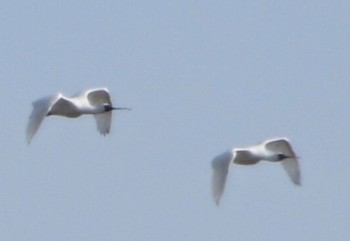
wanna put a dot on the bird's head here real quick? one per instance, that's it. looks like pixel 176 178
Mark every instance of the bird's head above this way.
pixel 108 107
pixel 282 156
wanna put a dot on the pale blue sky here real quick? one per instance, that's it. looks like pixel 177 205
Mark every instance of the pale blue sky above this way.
pixel 201 77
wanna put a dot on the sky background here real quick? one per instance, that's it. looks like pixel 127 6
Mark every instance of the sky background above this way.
pixel 201 77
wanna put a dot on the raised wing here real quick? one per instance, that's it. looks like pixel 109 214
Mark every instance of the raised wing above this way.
pixel 98 96
pixel 280 146
pixel 103 122
pixel 244 157
pixel 291 165
pixel 41 108
pixel 220 166
pixel 64 107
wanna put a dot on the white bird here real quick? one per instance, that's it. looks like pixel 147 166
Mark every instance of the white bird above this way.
pixel 94 101
pixel 274 150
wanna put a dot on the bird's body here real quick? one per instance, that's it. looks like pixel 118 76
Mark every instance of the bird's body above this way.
pixel 275 150
pixel 96 102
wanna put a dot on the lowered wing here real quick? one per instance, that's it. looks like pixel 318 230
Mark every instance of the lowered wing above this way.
pixel 220 166
pixel 41 108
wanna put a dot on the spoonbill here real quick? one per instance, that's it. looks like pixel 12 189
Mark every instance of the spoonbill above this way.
pixel 96 102
pixel 273 150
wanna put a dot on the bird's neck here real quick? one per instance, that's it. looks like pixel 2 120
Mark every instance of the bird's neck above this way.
pixel 264 155
pixel 272 157
pixel 99 109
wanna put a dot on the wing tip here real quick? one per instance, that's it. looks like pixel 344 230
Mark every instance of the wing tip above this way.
pixel 104 132
pixel 216 197
pixel 29 137
pixel 217 201
pixel 277 139
pixel 297 182
pixel 98 89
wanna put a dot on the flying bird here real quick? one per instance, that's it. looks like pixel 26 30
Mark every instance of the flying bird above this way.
pixel 274 150
pixel 96 102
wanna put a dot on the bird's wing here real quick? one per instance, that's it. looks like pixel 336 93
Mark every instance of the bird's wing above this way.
pixel 103 122
pixel 95 97
pixel 65 107
pixel 98 96
pixel 244 157
pixel 220 165
pixel 291 165
pixel 40 109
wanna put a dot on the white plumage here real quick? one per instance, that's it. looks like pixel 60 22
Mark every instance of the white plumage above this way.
pixel 93 101
pixel 274 150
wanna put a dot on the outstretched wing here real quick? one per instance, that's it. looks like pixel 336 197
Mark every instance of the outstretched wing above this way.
pixel 40 109
pixel 220 165
pixel 291 165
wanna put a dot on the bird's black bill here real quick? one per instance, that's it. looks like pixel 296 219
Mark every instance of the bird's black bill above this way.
pixel 120 108
pixel 283 156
